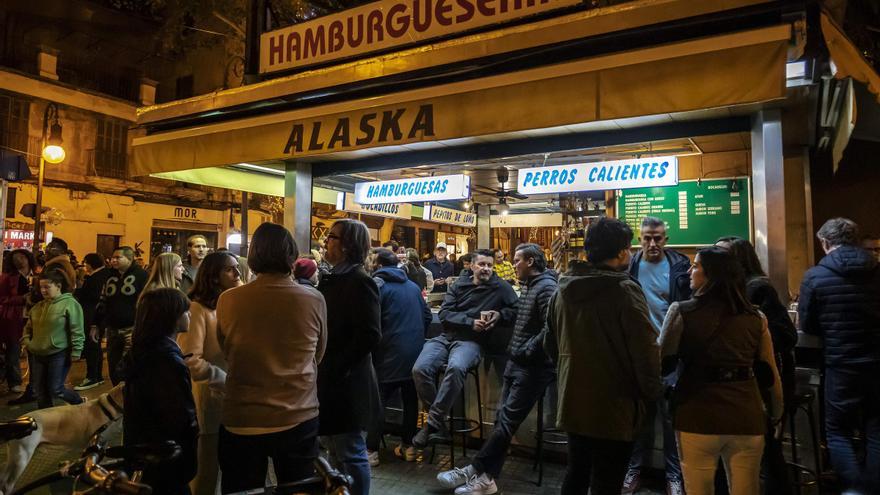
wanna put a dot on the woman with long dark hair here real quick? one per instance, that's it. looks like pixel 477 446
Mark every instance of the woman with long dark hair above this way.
pixel 204 357
pixel 725 351
pixel 158 391
pixel 14 288
pixel 761 293
pixel 347 387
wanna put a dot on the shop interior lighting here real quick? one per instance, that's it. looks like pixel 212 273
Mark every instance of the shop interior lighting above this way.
pixel 503 207
pixel 260 168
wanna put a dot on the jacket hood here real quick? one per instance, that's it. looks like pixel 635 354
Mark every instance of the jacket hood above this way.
pixel 849 260
pixel 62 298
pixel 584 281
pixel 391 274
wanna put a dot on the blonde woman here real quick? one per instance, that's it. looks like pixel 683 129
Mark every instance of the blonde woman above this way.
pixel 166 272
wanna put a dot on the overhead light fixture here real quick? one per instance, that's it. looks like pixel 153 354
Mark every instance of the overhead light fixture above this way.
pixel 53 152
pixel 260 168
pixel 503 207
pixel 467 205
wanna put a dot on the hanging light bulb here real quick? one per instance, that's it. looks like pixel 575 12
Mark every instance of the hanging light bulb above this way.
pixel 53 152
pixel 503 207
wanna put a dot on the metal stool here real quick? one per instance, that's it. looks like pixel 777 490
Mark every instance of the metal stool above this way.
pixel 465 425
pixel 803 401
pixel 556 437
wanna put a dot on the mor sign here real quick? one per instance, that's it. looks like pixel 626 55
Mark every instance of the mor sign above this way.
pixel 440 188
pixel 600 176
pixel 387 24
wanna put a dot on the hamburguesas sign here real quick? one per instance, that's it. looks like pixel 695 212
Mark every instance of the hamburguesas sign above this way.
pixel 387 24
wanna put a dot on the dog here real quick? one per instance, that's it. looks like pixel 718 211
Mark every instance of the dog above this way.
pixel 70 426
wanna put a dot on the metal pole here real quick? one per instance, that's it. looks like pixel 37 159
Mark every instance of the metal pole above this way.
pixel 39 206
pixel 256 19
pixel 243 249
pixel 4 191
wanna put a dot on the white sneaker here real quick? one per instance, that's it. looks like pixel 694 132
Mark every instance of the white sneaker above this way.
pixel 478 485
pixel 373 457
pixel 456 477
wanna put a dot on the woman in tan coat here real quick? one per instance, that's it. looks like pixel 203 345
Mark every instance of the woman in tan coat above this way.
pixel 218 272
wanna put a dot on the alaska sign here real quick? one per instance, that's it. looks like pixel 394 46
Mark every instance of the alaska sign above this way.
pixel 387 24
pixel 372 128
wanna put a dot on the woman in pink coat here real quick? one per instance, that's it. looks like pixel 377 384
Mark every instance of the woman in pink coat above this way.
pixel 14 288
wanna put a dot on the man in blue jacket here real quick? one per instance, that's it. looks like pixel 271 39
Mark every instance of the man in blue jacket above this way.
pixel 840 300
pixel 405 321
pixel 663 275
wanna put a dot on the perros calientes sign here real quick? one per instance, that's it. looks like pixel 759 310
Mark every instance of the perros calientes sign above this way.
pixel 346 202
pixel 601 176
pixel 440 188
pixel 361 129
pixel 449 216
pixel 387 24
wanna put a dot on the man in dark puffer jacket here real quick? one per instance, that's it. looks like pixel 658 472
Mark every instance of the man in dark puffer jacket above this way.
pixel 527 375
pixel 840 300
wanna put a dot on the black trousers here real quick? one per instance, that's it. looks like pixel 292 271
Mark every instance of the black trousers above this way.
pixel 116 342
pixel 244 459
pixel 521 389
pixel 597 464
pixel 94 356
pixel 410 405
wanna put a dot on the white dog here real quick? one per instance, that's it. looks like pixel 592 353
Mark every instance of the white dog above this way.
pixel 70 426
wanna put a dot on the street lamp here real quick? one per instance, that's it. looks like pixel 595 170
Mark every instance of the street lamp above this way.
pixel 53 153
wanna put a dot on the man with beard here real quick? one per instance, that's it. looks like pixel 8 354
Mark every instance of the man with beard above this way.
pixel 197 249
pixel 472 307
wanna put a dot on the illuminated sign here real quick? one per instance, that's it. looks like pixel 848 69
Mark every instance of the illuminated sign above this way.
pixel 449 216
pixel 387 24
pixel 440 188
pixel 345 202
pixel 601 176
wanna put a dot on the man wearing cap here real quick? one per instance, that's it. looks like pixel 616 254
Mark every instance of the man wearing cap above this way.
pixel 440 267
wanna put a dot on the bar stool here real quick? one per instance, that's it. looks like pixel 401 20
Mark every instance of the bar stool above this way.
pixel 462 424
pixel 555 437
pixel 802 401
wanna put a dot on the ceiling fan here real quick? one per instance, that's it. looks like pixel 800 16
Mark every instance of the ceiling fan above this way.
pixel 503 194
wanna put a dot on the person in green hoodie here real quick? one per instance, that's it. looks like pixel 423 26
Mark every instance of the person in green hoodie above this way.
pixel 54 336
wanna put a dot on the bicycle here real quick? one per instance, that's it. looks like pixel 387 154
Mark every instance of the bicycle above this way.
pixel 327 481
pixel 109 478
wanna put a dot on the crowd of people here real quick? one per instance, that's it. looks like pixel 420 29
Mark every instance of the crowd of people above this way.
pixel 273 357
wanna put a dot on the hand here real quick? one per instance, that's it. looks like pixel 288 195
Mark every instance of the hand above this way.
pixel 480 325
pixel 439 281
pixel 494 318
pixel 93 334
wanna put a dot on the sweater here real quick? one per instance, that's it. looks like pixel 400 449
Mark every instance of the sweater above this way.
pixel 273 333
pixel 119 298
pixel 840 300
pixel 207 365
pixel 45 332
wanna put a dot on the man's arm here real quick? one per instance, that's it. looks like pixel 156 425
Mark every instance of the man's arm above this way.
pixel 449 309
pixel 551 347
pixel 807 314
pixel 641 341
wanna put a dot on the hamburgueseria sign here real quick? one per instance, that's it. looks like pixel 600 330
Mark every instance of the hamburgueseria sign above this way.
pixel 387 24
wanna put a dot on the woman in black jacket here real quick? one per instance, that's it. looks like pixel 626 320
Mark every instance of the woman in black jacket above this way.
pixel 761 293
pixel 158 392
pixel 347 387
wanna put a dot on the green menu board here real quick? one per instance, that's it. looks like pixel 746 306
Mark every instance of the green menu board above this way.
pixel 695 214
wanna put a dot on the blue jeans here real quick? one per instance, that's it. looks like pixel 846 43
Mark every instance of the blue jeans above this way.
pixel 522 388
pixel 49 373
pixel 458 356
pixel 351 451
pixel 644 443
pixel 852 401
